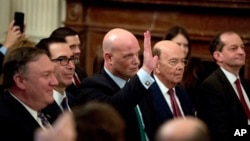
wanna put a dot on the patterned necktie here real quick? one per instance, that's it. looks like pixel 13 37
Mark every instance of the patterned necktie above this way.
pixel 44 120
pixel 242 99
pixel 175 107
pixel 76 80
pixel 64 104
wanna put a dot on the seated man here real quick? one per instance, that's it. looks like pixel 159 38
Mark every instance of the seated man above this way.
pixel 73 40
pixel 28 78
pixel 122 84
pixel 170 99
pixel 64 62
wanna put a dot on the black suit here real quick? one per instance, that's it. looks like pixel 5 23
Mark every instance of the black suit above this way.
pixel 220 108
pixel 81 75
pixel 1 70
pixel 17 124
pixel 102 88
pixel 161 106
pixel 52 111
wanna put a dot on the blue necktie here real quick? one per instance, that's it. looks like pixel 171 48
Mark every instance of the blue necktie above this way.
pixel 44 120
pixel 64 104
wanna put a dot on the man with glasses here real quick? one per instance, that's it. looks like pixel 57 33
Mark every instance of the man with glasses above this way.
pixel 73 40
pixel 170 100
pixel 64 61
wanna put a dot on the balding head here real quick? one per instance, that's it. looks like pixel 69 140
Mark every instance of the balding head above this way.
pixel 120 53
pixel 170 67
pixel 183 129
pixel 165 46
pixel 117 37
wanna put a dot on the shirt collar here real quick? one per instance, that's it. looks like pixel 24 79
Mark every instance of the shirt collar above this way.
pixel 30 110
pixel 120 82
pixel 58 97
pixel 231 77
pixel 162 87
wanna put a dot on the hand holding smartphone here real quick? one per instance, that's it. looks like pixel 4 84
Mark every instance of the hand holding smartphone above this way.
pixel 19 20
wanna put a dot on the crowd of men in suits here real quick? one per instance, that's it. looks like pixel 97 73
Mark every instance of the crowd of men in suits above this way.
pixel 41 83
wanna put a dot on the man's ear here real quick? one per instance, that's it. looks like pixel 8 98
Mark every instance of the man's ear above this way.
pixel 107 57
pixel 19 80
pixel 217 56
pixel 157 68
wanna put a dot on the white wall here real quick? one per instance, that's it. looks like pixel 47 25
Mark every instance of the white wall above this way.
pixel 41 16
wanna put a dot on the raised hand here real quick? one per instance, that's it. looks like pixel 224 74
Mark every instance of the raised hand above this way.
pixel 149 61
pixel 13 35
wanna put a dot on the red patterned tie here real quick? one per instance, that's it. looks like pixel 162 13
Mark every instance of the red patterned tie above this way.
pixel 242 99
pixel 176 110
pixel 76 80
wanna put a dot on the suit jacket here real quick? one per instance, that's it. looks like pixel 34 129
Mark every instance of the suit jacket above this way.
pixel 16 122
pixel 219 107
pixel 1 61
pixel 102 88
pixel 1 70
pixel 81 75
pixel 53 110
pixel 162 108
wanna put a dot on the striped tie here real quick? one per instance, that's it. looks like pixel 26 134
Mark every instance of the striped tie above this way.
pixel 44 120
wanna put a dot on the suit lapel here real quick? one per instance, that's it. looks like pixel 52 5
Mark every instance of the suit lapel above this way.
pixel 52 111
pixel 115 87
pixel 184 100
pixel 159 99
pixel 21 113
pixel 246 87
pixel 226 84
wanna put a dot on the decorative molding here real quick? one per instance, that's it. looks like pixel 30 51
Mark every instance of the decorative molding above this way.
pixel 202 18
pixel 235 4
pixel 74 12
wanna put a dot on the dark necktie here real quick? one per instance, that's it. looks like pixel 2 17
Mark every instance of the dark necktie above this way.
pixel 64 104
pixel 44 120
pixel 76 80
pixel 142 131
pixel 242 99
pixel 176 109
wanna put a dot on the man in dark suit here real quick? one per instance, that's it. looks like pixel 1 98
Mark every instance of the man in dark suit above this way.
pixel 64 61
pixel 29 80
pixel 168 73
pixel 73 40
pixel 121 84
pixel 219 102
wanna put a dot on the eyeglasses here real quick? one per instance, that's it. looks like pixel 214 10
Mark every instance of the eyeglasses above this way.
pixel 175 62
pixel 64 60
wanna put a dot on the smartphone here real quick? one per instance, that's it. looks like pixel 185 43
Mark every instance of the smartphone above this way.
pixel 19 20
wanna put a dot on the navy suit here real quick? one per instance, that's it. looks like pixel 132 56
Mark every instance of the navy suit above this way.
pixel 102 88
pixel 52 111
pixel 81 75
pixel 162 108
pixel 219 107
pixel 1 70
pixel 16 123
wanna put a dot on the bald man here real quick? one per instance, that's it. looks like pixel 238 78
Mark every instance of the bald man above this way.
pixel 169 99
pixel 183 129
pixel 122 84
